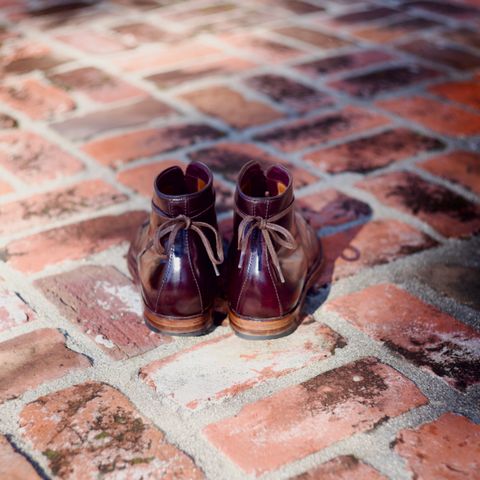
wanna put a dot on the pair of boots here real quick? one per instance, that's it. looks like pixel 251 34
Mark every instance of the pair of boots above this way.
pixel 177 257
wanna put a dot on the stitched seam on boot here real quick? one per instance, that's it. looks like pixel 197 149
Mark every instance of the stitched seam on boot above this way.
pixel 270 272
pixel 248 271
pixel 187 247
pixel 167 272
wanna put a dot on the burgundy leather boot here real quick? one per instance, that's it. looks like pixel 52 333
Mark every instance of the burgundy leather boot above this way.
pixel 274 258
pixel 176 254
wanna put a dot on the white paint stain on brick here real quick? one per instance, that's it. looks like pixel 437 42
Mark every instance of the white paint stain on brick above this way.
pixel 124 298
pixel 13 311
pixel 221 368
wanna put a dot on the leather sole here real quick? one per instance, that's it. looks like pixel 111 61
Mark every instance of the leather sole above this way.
pixel 271 328
pixel 182 326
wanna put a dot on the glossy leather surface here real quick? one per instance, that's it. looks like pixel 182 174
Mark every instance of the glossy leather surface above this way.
pixel 255 289
pixel 180 282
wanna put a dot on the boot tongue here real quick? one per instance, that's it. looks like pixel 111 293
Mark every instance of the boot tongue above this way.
pixel 179 193
pixel 264 193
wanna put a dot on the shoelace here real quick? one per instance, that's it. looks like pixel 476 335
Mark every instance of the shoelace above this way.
pixel 182 222
pixel 269 230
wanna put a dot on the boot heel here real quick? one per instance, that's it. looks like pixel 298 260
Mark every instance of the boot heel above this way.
pixel 263 329
pixel 183 326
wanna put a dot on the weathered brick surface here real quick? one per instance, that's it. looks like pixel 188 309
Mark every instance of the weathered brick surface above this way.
pixel 330 126
pixel 449 213
pixel 116 150
pixel 226 366
pixel 337 403
pixel 367 85
pixel 13 465
pixel 345 62
pixel 92 430
pixel 33 159
pixel 439 117
pixel 34 358
pixel 13 310
pixel 106 306
pixel 224 67
pixel 87 196
pixel 72 242
pixel 97 85
pixel 321 40
pixel 345 467
pixel 377 242
pixel 459 167
pixel 370 153
pixel 457 448
pixel 424 335
pixel 28 57
pixel 231 107
pixel 36 99
pixel 467 92
pixel 96 123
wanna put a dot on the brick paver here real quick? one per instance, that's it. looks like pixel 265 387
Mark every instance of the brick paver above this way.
pixel 456 449
pixel 374 106
pixel 34 358
pixel 92 429
pixel 337 403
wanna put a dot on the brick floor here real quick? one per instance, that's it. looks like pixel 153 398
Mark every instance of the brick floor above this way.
pixel 375 108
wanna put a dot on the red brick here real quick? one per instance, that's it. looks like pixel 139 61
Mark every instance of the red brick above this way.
pixel 456 452
pixel 395 30
pixel 449 55
pixel 307 133
pixel 363 16
pixel 427 337
pixel 33 159
pixel 296 6
pixel 97 85
pixel 370 153
pixel 452 9
pixel 458 167
pixel 71 242
pixel 160 59
pixel 14 310
pixel 344 62
pixel 383 80
pixel 283 428
pixel 263 48
pixel 446 211
pixel 30 57
pixel 92 430
pixel 89 41
pixel 5 188
pixel 96 123
pixel 290 93
pixel 463 36
pixel 36 99
pixel 321 40
pixel 120 149
pixel 227 159
pixel 223 367
pixel 345 467
pixel 330 208
pixel 13 465
pixel 141 178
pixel 375 243
pixel 34 358
pixel 138 33
pixel 231 106
pixel 224 67
pixel 106 306
pixel 87 196
pixel 200 12
pixel 6 121
pixel 446 119
pixel 467 92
